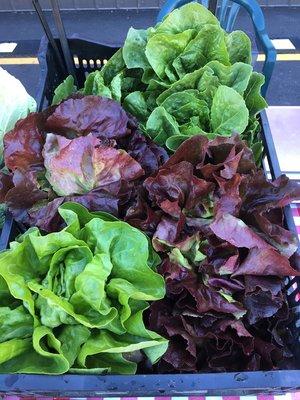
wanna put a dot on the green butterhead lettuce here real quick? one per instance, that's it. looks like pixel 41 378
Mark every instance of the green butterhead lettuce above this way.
pixel 228 112
pixel 186 61
pixel 73 300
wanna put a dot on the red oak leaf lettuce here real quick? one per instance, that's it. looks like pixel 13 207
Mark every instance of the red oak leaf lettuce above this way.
pixel 224 251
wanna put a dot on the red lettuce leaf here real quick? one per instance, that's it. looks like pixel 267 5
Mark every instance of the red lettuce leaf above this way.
pixel 192 150
pixel 97 158
pixel 6 183
pixel 262 304
pixel 235 231
pixel 142 216
pixel 80 165
pixel 100 116
pixel 26 192
pixel 220 310
pixel 265 261
pixel 229 200
pixel 285 241
pixel 148 154
pixel 47 218
pixel 23 145
pixel 262 195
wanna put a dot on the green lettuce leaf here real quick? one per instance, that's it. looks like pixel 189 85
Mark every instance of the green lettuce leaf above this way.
pixel 239 47
pixel 134 49
pixel 161 125
pixel 94 85
pixel 64 90
pixel 189 16
pixel 236 76
pixel 113 66
pixel 80 296
pixel 136 104
pixel 254 100
pixel 208 45
pixel 163 48
pixel 229 113
pixel 169 77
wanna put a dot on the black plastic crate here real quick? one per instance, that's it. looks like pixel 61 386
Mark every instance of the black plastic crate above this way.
pixel 89 56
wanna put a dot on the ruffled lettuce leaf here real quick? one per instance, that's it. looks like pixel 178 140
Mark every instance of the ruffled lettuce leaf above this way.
pixel 80 296
pixel 217 223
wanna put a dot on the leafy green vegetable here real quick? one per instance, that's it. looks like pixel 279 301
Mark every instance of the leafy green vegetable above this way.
pixel 161 125
pixel 208 45
pixel 163 48
pixel 254 101
pixel 169 77
pixel 239 47
pixel 190 16
pixel 94 84
pixel 76 298
pixel 134 49
pixel 64 90
pixel 228 112
pixel 114 65
pixel 80 165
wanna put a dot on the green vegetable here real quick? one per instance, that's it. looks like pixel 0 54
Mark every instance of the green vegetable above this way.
pixel 228 112
pixel 170 77
pixel 190 16
pixel 239 47
pixel 64 90
pixel 134 49
pixel 254 101
pixel 74 300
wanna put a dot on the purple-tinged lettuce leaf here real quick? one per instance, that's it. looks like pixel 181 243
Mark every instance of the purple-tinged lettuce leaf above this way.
pixel 141 215
pixel 144 151
pixel 27 190
pixel 265 261
pixel 23 145
pixel 229 200
pixel 262 304
pixel 82 164
pixel 167 232
pixel 285 241
pixel 235 231
pixel 176 189
pixel 263 195
pixel 100 116
pixel 192 150
pixel 6 183
pixel 47 217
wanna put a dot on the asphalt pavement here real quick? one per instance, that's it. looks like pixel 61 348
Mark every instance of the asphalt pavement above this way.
pixel 110 27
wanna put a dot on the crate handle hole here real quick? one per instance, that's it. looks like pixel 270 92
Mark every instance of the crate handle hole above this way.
pixel 104 61
pixel 98 63
pixel 92 63
pixel 84 63
pixel 76 61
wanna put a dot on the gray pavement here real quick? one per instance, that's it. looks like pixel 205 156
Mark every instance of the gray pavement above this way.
pixel 111 26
